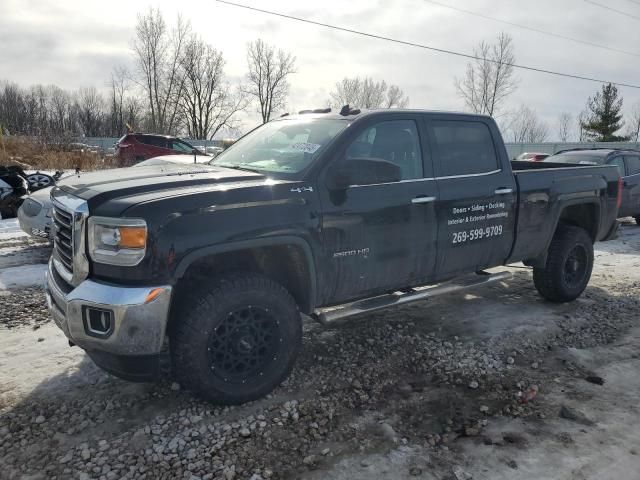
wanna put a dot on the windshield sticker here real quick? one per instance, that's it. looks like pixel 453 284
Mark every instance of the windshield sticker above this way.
pixel 306 147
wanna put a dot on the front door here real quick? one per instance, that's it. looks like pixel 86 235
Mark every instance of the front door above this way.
pixel 380 237
pixel 476 205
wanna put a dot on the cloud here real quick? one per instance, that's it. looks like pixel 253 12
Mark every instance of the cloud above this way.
pixel 75 43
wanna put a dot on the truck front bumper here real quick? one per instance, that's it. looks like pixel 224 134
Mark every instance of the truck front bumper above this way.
pixel 121 328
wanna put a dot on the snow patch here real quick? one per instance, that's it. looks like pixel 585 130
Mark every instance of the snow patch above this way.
pixel 23 276
pixel 9 228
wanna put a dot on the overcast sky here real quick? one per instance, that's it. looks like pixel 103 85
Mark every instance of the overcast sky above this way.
pixel 77 43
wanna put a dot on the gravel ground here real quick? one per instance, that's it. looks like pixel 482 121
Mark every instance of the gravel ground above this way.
pixel 482 385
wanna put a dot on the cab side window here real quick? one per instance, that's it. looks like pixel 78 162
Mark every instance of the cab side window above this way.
pixel 181 147
pixel 618 162
pixel 153 141
pixel 633 164
pixel 395 141
pixel 464 148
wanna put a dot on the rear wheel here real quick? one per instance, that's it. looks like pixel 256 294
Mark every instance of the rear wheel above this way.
pixel 569 265
pixel 236 339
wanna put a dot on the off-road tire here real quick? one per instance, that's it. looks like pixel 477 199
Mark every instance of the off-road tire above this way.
pixel 570 247
pixel 206 315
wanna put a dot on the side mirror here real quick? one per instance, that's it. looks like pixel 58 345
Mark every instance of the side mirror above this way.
pixel 362 171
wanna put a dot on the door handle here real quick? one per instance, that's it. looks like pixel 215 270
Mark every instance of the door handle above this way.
pixel 503 191
pixel 423 199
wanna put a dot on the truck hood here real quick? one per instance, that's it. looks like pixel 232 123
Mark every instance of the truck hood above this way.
pixel 103 185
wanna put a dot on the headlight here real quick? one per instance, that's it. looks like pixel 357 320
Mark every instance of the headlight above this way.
pixel 31 207
pixel 117 241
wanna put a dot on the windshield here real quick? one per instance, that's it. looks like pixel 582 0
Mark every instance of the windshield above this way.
pixel 576 158
pixel 283 146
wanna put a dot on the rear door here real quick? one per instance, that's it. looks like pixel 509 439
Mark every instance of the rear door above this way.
pixel 625 204
pixel 380 237
pixel 631 183
pixel 477 197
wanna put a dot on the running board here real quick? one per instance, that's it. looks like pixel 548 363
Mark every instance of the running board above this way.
pixel 368 305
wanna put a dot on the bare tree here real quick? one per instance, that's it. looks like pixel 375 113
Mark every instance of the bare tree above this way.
pixel 367 93
pixel 133 111
pixel 59 111
pixel 564 126
pixel 90 107
pixel 396 98
pixel 490 79
pixel 583 117
pixel 267 77
pixel 119 86
pixel 208 103
pixel 634 123
pixel 527 127
pixel 158 53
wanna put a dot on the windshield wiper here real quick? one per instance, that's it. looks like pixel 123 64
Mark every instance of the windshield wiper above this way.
pixel 236 167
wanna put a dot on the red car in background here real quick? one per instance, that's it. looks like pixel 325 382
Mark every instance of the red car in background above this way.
pixel 532 156
pixel 135 147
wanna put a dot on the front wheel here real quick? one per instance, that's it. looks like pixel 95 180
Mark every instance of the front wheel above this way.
pixel 569 265
pixel 235 340
pixel 38 181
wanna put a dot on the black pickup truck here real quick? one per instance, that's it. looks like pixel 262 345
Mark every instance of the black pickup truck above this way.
pixel 328 215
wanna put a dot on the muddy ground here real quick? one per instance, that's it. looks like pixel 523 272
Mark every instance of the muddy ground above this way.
pixel 492 384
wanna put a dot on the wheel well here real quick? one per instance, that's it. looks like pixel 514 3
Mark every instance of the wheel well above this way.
pixel 285 264
pixel 584 215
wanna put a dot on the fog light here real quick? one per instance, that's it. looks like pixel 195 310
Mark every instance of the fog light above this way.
pixel 97 322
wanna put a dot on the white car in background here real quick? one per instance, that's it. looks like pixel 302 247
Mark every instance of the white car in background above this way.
pixel 34 215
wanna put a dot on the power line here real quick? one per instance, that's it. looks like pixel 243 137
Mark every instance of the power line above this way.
pixel 533 29
pixel 634 1
pixel 620 12
pixel 425 47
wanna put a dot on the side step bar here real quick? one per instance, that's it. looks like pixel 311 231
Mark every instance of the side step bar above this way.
pixel 368 305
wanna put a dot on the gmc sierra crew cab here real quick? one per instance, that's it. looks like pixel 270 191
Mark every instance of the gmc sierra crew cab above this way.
pixel 330 215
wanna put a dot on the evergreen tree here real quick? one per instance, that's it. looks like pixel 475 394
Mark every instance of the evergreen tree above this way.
pixel 604 116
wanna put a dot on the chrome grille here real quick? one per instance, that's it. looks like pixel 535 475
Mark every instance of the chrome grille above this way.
pixel 63 239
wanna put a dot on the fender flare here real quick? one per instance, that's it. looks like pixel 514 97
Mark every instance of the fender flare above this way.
pixel 541 260
pixel 281 240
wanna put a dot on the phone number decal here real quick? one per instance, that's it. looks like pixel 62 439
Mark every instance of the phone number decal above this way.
pixel 477 234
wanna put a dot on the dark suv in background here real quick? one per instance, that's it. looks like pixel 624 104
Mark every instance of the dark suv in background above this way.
pixel 135 147
pixel 628 163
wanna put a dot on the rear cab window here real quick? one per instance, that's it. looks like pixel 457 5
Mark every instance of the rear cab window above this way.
pixel 464 148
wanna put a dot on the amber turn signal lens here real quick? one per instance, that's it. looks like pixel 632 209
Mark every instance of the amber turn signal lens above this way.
pixel 153 294
pixel 133 237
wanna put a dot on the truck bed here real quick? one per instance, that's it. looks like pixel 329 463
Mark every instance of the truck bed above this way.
pixel 545 187
pixel 519 166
